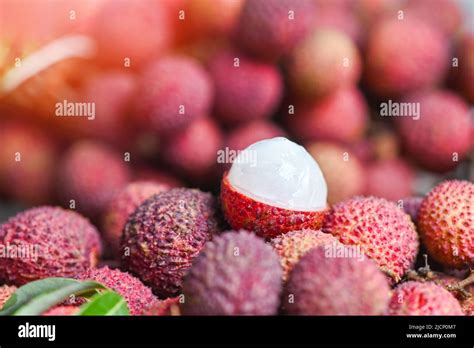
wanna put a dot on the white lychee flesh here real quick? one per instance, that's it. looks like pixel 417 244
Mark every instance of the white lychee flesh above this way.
pixel 279 173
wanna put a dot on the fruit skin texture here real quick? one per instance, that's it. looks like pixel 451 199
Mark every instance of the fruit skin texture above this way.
pixel 316 66
pixel 173 91
pixel 415 298
pixel 167 307
pixel 236 274
pixel 322 285
pixel 5 292
pixel 433 139
pixel 341 116
pixel 242 212
pixel 446 223
pixel 382 230
pixel 250 91
pixel 164 235
pixel 91 174
pixel 265 29
pixel 291 246
pixel 390 179
pixel 345 178
pixel 65 243
pixel 137 295
pixel 122 206
pixel 404 56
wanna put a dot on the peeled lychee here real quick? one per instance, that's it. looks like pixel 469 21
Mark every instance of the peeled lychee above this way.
pixel 274 186
pixel 380 229
pixel 47 242
pixel 5 292
pixel 164 235
pixel 390 179
pixel 325 284
pixel 446 223
pixel 235 274
pixel 416 298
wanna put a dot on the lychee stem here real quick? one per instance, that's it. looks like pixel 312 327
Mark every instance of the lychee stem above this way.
pixel 390 273
pixel 460 286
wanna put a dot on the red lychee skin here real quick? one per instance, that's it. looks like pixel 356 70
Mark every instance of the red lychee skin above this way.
pixel 292 246
pixel 446 223
pixel 5 292
pixel 324 285
pixel 404 56
pixel 266 30
pixel 91 174
pixel 415 298
pixel 317 65
pixel 341 116
pixel 463 75
pixel 124 204
pixel 411 206
pixel 137 295
pixel 64 242
pixel 168 307
pixel 267 221
pixel 148 31
pixel 192 152
pixel 61 310
pixel 241 137
pixel 164 235
pixel 434 139
pixel 344 173
pixel 380 229
pixel 236 273
pixel 390 179
pixel 173 91
pixel 31 179
pixel 250 91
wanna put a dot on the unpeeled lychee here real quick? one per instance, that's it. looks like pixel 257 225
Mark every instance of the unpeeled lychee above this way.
pixel 236 274
pixel 325 284
pixel 446 223
pixel 380 229
pixel 416 298
pixel 274 186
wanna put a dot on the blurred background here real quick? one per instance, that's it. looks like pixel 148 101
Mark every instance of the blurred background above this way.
pixel 96 94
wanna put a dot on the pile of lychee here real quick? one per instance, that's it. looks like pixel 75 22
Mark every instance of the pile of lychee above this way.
pixel 186 191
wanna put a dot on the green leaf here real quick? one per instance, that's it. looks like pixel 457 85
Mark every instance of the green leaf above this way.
pixel 105 303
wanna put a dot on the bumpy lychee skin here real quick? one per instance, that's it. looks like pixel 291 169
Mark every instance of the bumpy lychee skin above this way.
pixel 382 230
pixel 324 285
pixel 122 206
pixel 322 63
pixel 396 172
pixel 61 243
pixel 404 56
pixel 234 264
pixel 173 91
pixel 446 223
pixel 411 206
pixel 5 293
pixel 137 295
pixel 245 89
pixel 291 246
pixel 341 116
pixel 274 186
pixel 268 29
pixel 164 235
pixel 435 141
pixel 168 307
pixel 91 174
pixel 415 298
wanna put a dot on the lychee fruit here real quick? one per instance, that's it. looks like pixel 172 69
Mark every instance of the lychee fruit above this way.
pixel 435 141
pixel 344 173
pixel 167 307
pixel 137 295
pixel 5 293
pixel 427 298
pixel 90 175
pixel 51 241
pixel 274 186
pixel 236 274
pixel 404 56
pixel 446 223
pixel 271 28
pixel 411 206
pixel 172 92
pixel 342 19
pixel 324 62
pixel 121 206
pixel 291 246
pixel 380 229
pixel 463 74
pixel 164 235
pixel 245 89
pixel 325 284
